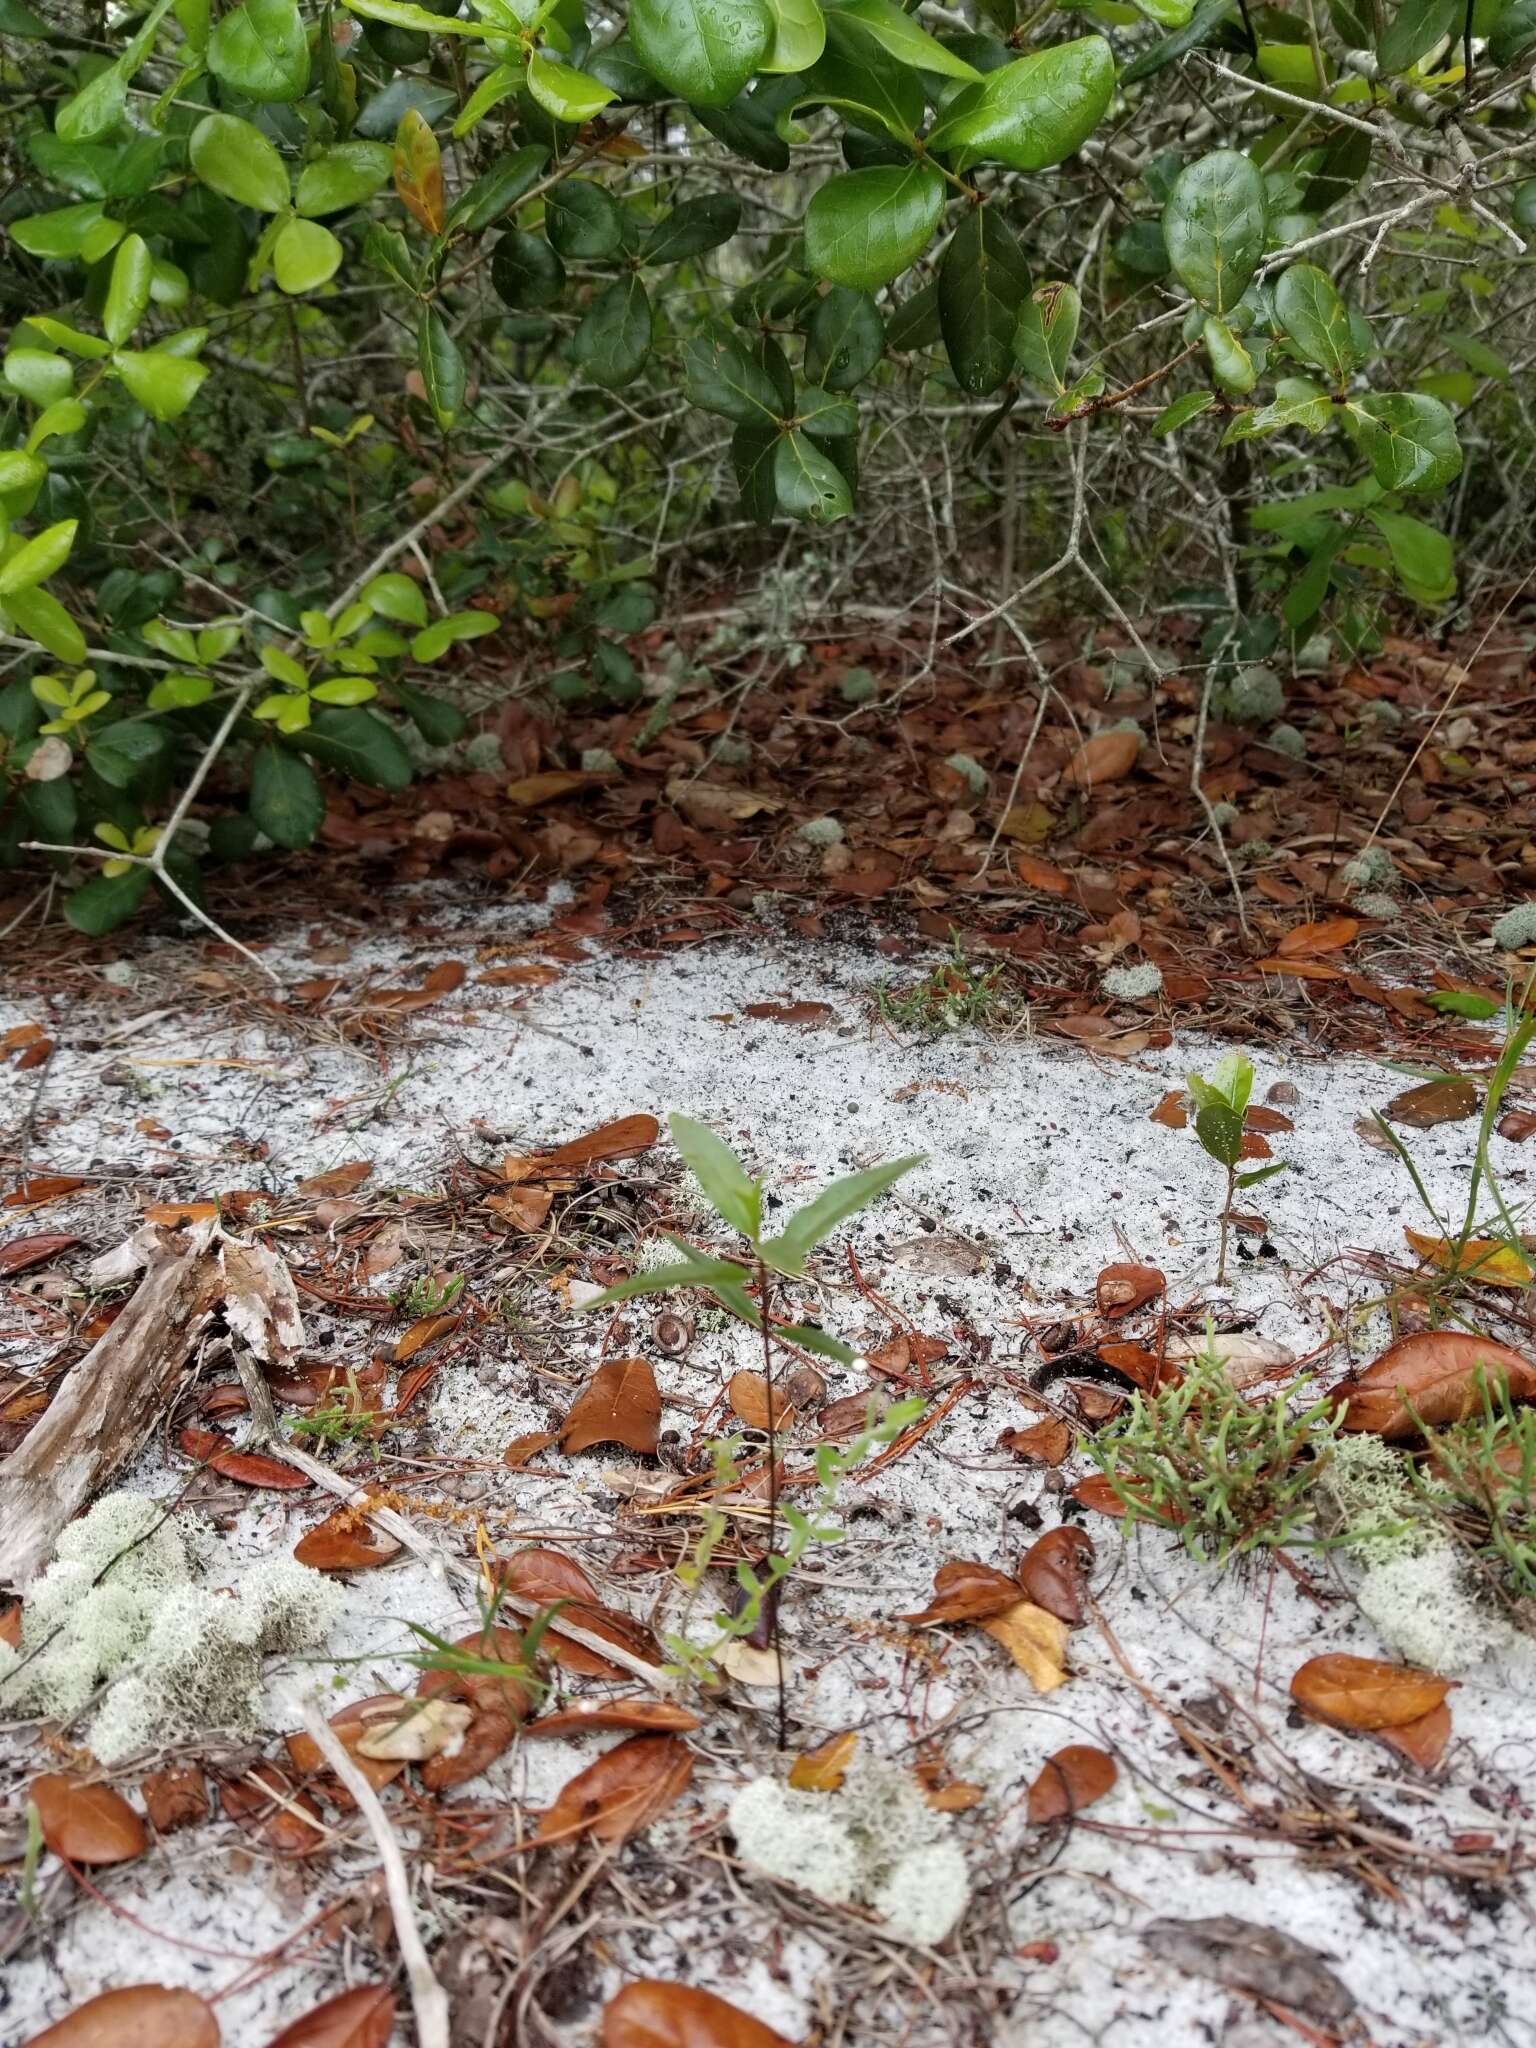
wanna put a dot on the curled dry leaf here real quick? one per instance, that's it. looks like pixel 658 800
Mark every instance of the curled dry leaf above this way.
pixel 1123 1289
pixel 1327 935
pixel 411 1731
pixel 1481 1258
pixel 1036 1641
pixel 1047 1442
pixel 1096 1492
pixel 247 1468
pixel 345 1542
pixel 266 1801
pixel 86 1823
pixel 824 1768
pixel 650 2014
pixel 489 1735
pixel 45 1187
pixel 618 1140
pixel 1172 1112
pixel 524 1208
pixel 364 2018
pixel 1423 1741
pixel 524 1449
pixel 747 1393
pixel 549 1575
pixel 152 2014
pixel 752 1664
pixel 646 1717
pixel 1436 1372
pixel 1364 1693
pixel 1450 1101
pixel 625 1790
pixel 499 1689
pixel 425 1331
pixel 1054 1572
pixel 174 1798
pixel 1106 757
pixel 341 1180
pixel 23 1253
pixel 1070 1780
pixel 964 1591
pixel 351 1724
pixel 620 1404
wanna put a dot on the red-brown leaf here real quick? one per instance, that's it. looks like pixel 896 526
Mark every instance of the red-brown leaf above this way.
pixel 45 1187
pixel 1451 1101
pixel 1070 1780
pixel 364 2018
pixel 1122 1289
pixel 651 2014
pixel 747 1393
pixel 620 1404
pixel 345 1542
pixel 965 1591
pixel 1437 1371
pixel 618 1140
pixel 1172 1112
pixel 1365 1693
pixel 647 1717
pixel 1106 757
pixel 1096 1492
pixel 175 1797
pixel 350 1724
pixel 266 1801
pixel 1054 1572
pixel 625 1790
pixel 248 1468
pixel 23 1253
pixel 424 1331
pixel 340 1180
pixel 137 2016
pixel 1423 1741
pixel 1047 1442
pixel 1327 935
pixel 86 1823
pixel 549 1575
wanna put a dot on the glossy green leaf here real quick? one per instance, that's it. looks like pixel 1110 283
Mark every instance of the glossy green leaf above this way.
pixel 1046 333
pixel 525 271
pixel 723 376
pixel 735 1196
pixel 165 385
pixel 441 366
pixel 1231 365
pixel 38 375
pixel 396 597
pixel 799 36
pixel 496 191
pixel 896 32
pixel 1220 1131
pixel 1201 28
pixel 612 342
pixel 845 339
pixel 1513 33
pixel 1409 439
pixel 1415 28
pixel 40 616
pixel 807 1227
pixel 260 50
pixel 694 228
pixel 20 471
pixel 1183 409
pixel 983 282
pixel 343 175
pixel 35 560
pixel 106 901
pixel 825 414
pixel 358 743
pixel 127 297
pixel 1033 112
pixel 583 221
pixel 864 84
pixel 59 235
pixel 702 50
pixel 434 641
pixel 286 800
pixel 237 161
pixel 1214 225
pixel 1314 317
pixel 304 256
pixel 866 227
pixel 567 94
pixel 496 86
pixel 693 1269
pixel 1421 554
pixel 808 482
pixel 405 14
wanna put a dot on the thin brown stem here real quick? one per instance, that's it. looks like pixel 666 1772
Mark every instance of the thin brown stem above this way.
pixel 763 1286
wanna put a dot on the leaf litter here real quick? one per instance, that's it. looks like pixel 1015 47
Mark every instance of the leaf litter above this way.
pixel 1057 1196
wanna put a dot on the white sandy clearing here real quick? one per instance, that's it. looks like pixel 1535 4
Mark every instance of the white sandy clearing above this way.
pixel 1045 1164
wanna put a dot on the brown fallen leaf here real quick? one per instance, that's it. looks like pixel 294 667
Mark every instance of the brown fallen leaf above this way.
pixel 525 1208
pixel 424 1332
pixel 802 1013
pixel 23 1253
pixel 1517 1125
pixel 651 2014
pixel 1262 1960
pixel 620 1139
pixel 1423 1741
pixel 1364 1693
pixel 345 1542
pixel 174 1798
pixel 248 1468
pixel 340 1180
pixel 1120 1290
pixel 267 1802
pixel 363 2018
pixel 1096 1492
pixel 747 1393
pixel 46 1187
pixel 524 1449
pixel 502 1688
pixel 1450 1101
pixel 527 974
pixel 1036 1641
pixel 620 1404
pixel 1172 1112
pixel 623 1791
pixel 177 1215
pixel 965 1591
pixel 491 1733
pixel 1035 873
pixel 824 1768
pixel 1054 1572
pixel 86 1823
pixel 1046 1442
pixel 548 787
pixel 1070 1780
pixel 1105 757
pixel 549 1575
pixel 1326 935
pixel 1486 1259
pixel 643 1716
pixel 136 2016
pixel 1256 1117
pixel 1436 1371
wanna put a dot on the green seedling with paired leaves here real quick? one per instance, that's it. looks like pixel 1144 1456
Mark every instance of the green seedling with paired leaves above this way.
pixel 737 1200
pixel 1220 1105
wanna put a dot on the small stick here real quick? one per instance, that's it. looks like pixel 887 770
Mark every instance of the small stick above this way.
pixel 427 1995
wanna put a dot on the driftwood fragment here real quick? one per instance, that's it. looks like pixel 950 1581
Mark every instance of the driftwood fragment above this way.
pixel 112 1399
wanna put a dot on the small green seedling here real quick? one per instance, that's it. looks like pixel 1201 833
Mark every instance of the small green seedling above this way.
pixel 1220 1104
pixel 954 996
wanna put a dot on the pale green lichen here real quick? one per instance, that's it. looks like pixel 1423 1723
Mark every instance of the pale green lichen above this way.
pixel 1516 928
pixel 119 1608
pixel 1373 866
pixel 821 832
pixel 875 1841
pixel 1285 739
pixel 970 771
pixel 1255 696
pixel 1377 903
pixel 1132 984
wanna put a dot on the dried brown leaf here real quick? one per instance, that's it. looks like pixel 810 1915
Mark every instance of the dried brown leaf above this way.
pixel 824 1768
pixel 1120 1290
pixel 1070 1780
pixel 650 2014
pixel 364 2018
pixel 1054 1572
pixel 1035 1639
pixel 345 1542
pixel 747 1393
pixel 1437 1372
pixel 623 1791
pixel 642 1716
pixel 965 1591
pixel 86 1823
pixel 1046 1442
pixel 1326 935
pixel 137 2016
pixel 1365 1693
pixel 1450 1101
pixel 620 1404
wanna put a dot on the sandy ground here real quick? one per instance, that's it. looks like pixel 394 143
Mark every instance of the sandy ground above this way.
pixel 1041 1168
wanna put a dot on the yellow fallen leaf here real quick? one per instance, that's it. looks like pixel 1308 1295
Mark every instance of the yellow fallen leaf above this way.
pixel 823 1768
pixel 410 1731
pixel 1483 1258
pixel 1035 1640
pixel 749 1665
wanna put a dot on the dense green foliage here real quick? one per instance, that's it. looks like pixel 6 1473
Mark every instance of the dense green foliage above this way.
pixel 287 280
